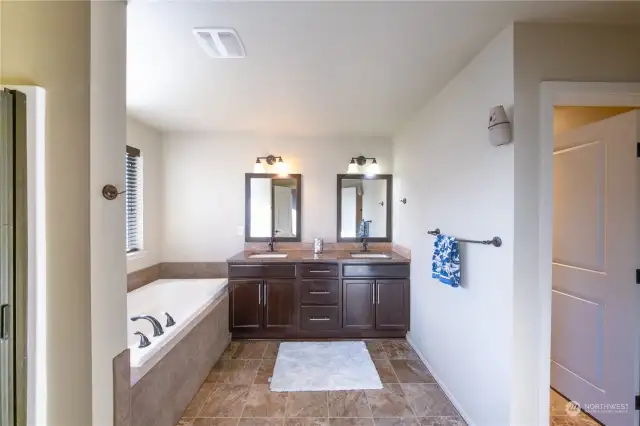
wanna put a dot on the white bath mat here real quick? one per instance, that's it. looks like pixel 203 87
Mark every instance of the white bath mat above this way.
pixel 324 366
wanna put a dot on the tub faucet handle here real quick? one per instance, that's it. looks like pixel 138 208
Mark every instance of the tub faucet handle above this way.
pixel 157 327
pixel 170 321
pixel 144 341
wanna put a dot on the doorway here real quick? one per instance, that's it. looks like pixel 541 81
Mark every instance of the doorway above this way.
pixel 13 258
pixel 590 198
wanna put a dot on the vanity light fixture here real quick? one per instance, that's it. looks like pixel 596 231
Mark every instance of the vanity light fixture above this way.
pixel 361 161
pixel 280 166
pixel 258 167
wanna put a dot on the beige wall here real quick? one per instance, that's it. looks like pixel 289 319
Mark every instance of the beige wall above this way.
pixel 464 333
pixel 47 44
pixel 76 51
pixel 566 118
pixel 149 141
pixel 201 216
pixel 587 53
pixel 108 258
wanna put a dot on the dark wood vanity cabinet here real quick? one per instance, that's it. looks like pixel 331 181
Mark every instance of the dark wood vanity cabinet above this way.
pixel 375 304
pixel 358 299
pixel 262 304
pixel 319 300
pixel 246 304
pixel 279 303
pixel 392 304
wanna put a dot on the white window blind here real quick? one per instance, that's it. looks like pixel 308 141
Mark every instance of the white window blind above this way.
pixel 133 199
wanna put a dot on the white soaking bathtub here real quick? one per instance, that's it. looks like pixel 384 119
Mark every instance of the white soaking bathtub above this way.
pixel 188 301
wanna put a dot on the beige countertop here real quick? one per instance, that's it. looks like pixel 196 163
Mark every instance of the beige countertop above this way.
pixel 307 256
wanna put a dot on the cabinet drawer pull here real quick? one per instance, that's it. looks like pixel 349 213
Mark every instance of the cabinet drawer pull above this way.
pixel 319 319
pixel 319 292
pixel 320 271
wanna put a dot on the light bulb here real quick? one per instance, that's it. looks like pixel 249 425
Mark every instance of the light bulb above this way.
pixel 258 167
pixel 281 168
pixel 353 167
pixel 373 168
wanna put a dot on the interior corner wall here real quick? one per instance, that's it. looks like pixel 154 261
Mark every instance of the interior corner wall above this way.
pixel 590 53
pixel 149 141
pixel 455 180
pixel 47 44
pixel 204 182
pixel 108 114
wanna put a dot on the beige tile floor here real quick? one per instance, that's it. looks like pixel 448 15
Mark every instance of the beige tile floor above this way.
pixel 236 393
pixel 559 416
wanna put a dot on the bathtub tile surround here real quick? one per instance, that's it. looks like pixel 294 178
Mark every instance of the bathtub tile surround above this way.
pixel 142 277
pixel 409 403
pixel 193 270
pixel 177 270
pixel 122 389
pixel 162 395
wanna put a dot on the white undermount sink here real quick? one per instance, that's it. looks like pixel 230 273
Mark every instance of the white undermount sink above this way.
pixel 370 256
pixel 268 255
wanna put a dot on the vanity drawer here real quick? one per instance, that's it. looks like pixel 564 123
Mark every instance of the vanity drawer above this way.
pixel 262 271
pixel 319 318
pixel 319 270
pixel 397 270
pixel 319 292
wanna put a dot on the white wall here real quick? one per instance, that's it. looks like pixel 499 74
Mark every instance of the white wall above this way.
pixel 108 265
pixel 586 53
pixel 204 182
pixel 373 192
pixel 149 141
pixel 455 180
pixel 47 44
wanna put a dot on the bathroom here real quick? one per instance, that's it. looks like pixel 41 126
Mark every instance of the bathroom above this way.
pixel 200 321
pixel 245 232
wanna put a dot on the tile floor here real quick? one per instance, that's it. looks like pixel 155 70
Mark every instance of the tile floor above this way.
pixel 559 416
pixel 236 393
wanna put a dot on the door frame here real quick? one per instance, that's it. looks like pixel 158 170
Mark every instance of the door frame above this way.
pixel 560 93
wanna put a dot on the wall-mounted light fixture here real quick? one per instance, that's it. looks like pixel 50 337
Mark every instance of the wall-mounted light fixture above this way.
pixel 361 161
pixel 279 165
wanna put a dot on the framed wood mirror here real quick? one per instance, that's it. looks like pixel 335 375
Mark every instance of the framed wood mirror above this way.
pixel 364 208
pixel 272 207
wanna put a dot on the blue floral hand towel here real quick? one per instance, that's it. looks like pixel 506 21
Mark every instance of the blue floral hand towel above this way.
pixel 445 265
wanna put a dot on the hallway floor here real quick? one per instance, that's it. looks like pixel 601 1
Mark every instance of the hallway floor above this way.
pixel 560 417
pixel 236 393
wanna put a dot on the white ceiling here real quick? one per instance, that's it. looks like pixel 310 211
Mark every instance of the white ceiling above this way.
pixel 315 68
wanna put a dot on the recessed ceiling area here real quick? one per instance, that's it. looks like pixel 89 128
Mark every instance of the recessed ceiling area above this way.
pixel 315 68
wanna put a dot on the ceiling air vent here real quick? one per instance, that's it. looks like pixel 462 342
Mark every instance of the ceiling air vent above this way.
pixel 220 42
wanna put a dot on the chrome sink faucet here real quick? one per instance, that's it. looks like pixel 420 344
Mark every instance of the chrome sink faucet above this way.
pixel 365 245
pixel 272 242
pixel 157 327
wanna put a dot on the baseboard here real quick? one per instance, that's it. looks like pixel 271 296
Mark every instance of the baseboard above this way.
pixel 444 387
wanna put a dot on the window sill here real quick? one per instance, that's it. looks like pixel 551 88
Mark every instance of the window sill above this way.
pixel 136 255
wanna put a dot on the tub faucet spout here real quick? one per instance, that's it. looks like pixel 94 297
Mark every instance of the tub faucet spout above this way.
pixel 157 327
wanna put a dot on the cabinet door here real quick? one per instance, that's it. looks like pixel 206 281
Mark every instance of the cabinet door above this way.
pixel 246 304
pixel 279 303
pixel 392 304
pixel 358 304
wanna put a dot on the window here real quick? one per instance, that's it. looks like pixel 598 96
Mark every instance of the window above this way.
pixel 133 200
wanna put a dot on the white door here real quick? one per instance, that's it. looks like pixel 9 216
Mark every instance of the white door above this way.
pixel 594 338
pixel 283 204
pixel 348 213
